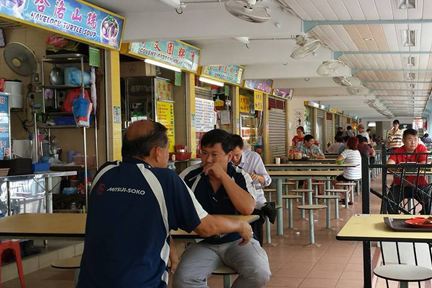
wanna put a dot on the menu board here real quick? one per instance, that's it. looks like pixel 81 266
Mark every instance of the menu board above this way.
pixel 204 115
pixel 258 101
pixel 163 89
pixel 165 116
pixel 245 104
pixel 4 126
pixel 229 73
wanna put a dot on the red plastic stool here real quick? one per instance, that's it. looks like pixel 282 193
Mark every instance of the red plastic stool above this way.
pixel 15 246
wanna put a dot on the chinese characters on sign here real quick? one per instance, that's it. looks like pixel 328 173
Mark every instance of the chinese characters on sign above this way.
pixel 258 101
pixel 68 17
pixel 204 115
pixel 165 116
pixel 174 53
pixel 263 85
pixel 245 104
pixel 284 93
pixel 163 89
pixel 231 73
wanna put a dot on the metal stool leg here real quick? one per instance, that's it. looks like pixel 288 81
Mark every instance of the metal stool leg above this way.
pixel 346 200
pixel 358 188
pixel 316 194
pixel 303 214
pixel 352 194
pixel 311 227
pixel 290 214
pixel 328 214
pixel 227 281
pixel 337 208
pixel 404 284
pixel 268 231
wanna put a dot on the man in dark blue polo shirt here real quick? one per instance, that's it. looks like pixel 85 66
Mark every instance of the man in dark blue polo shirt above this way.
pixel 133 206
pixel 221 188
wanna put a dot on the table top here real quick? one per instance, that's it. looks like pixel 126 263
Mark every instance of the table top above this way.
pixel 183 234
pixel 47 174
pixel 306 174
pixel 310 165
pixel 325 160
pixel 371 227
pixel 66 226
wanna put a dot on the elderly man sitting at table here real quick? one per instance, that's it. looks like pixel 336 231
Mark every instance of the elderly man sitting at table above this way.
pixel 409 187
pixel 309 148
pixel 221 188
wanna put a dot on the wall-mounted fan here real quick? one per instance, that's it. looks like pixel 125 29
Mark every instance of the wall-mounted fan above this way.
pixel 305 47
pixel 20 59
pixel 342 81
pixel 248 10
pixel 327 68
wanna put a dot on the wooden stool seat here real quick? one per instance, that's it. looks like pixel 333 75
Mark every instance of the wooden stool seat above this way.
pixel 337 190
pixel 327 197
pixel 226 272
pixel 311 207
pixel 318 183
pixel 301 191
pixel 346 184
pixel 288 183
pixel 291 197
pixel 68 263
pixel 269 190
pixel 403 273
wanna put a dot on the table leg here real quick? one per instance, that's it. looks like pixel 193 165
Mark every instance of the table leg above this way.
pixel 310 195
pixel 290 214
pixel 367 265
pixel 279 203
pixel 311 227
pixel 268 230
pixel 48 195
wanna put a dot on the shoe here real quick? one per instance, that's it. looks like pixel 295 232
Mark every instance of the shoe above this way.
pixel 269 210
pixel 350 203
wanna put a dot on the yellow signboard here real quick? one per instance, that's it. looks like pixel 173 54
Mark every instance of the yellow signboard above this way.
pixel 258 101
pixel 165 116
pixel 245 104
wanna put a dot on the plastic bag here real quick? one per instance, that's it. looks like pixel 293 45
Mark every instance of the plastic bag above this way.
pixel 70 96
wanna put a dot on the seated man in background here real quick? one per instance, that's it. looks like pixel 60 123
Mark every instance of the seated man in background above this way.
pixel 410 186
pixel 133 206
pixel 221 188
pixel 252 163
pixel 309 148
pixel 336 146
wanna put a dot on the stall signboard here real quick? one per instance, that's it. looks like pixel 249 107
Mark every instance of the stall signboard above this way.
pixel 204 115
pixel 165 116
pixel 284 93
pixel 72 18
pixel 258 101
pixel 175 53
pixel 263 85
pixel 245 104
pixel 4 126
pixel 164 89
pixel 227 73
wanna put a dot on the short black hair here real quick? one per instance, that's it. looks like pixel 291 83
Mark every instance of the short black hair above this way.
pixel 349 127
pixel 368 130
pixel 237 141
pixel 141 146
pixel 216 136
pixel 426 135
pixel 409 131
pixel 361 139
pixel 308 137
pixel 338 138
pixel 345 138
pixel 396 121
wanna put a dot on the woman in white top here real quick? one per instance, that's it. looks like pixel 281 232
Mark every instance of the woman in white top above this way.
pixel 350 156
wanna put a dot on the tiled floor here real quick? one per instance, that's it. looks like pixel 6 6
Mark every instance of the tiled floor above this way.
pixel 334 264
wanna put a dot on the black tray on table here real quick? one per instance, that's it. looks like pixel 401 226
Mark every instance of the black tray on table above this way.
pixel 399 225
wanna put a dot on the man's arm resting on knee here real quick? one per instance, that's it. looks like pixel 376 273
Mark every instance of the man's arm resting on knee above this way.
pixel 216 225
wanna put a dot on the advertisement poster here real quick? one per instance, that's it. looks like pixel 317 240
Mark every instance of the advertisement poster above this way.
pixel 259 101
pixel 4 126
pixel 174 53
pixel 245 104
pixel 284 93
pixel 263 85
pixel 204 115
pixel 68 17
pixel 165 116
pixel 164 89
pixel 229 73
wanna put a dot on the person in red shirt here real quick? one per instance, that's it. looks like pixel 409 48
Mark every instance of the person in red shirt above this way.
pixel 299 137
pixel 410 186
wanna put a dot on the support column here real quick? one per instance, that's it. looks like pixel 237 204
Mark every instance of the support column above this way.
pixel 266 136
pixel 114 128
pixel 236 110
pixel 288 142
pixel 190 110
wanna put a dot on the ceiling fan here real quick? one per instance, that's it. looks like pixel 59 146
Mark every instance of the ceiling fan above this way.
pixel 342 81
pixel 327 68
pixel 305 47
pixel 248 10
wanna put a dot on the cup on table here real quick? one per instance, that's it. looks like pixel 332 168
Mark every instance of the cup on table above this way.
pixel 339 162
pixel 277 161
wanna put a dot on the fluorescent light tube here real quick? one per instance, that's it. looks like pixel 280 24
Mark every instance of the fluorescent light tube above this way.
pixel 173 3
pixel 211 81
pixel 163 65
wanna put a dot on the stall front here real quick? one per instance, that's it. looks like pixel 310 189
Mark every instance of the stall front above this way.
pixel 53 54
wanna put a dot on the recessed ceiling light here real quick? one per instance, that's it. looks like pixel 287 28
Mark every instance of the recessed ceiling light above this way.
pixel 408 38
pixel 410 76
pixel 407 4
pixel 410 61
pixel 368 39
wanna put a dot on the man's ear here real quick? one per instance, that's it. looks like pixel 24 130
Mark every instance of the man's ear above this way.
pixel 230 155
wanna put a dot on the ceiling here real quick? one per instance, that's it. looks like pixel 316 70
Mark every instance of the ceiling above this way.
pixel 364 34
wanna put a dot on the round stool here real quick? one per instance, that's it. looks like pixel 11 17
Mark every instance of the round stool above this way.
pixel 334 191
pixel 69 263
pixel 403 273
pixel 303 202
pixel 226 272
pixel 311 208
pixel 347 185
pixel 290 198
pixel 317 184
pixel 287 184
pixel 327 199
pixel 267 221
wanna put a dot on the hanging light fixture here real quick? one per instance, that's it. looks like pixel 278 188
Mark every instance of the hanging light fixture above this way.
pixel 211 81
pixel 163 65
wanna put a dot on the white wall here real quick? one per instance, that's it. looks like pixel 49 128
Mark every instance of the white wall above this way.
pixel 294 105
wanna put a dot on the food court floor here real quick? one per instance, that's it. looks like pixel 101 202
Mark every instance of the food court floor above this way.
pixel 333 264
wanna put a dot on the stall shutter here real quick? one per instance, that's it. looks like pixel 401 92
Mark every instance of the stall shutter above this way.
pixel 277 132
pixel 329 129
pixel 203 93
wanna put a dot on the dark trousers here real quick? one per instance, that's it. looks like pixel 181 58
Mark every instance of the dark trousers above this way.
pixel 399 193
pixel 257 226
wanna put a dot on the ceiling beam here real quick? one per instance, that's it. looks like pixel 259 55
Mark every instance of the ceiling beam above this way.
pixel 354 70
pixel 385 81
pixel 309 25
pixel 338 54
